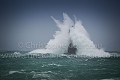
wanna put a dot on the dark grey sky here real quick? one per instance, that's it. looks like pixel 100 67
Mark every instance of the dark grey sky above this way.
pixel 23 21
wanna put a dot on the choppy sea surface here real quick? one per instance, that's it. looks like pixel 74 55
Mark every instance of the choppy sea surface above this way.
pixel 59 68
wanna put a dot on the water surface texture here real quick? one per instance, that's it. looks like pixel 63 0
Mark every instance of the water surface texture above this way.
pixel 61 68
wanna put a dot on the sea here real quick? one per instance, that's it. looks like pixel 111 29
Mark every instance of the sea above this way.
pixel 57 68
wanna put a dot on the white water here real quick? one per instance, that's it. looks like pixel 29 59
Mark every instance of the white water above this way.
pixel 84 45
pixel 75 32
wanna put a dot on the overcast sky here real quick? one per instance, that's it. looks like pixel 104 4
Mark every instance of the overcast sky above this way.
pixel 29 21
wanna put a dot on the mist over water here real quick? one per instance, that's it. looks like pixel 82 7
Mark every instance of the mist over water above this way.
pixel 75 33
pixel 61 39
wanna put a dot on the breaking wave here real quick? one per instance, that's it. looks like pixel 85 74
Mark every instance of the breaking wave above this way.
pixel 71 32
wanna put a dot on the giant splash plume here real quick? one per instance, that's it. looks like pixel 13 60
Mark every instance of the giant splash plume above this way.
pixel 71 32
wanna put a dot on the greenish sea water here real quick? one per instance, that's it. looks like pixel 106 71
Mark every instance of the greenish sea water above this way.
pixel 61 68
